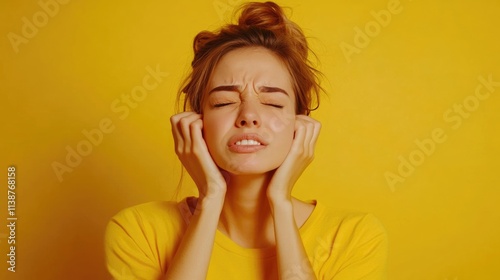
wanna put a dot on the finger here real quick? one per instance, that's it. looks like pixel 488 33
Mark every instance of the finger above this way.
pixel 200 149
pixel 309 137
pixel 299 137
pixel 198 143
pixel 313 129
pixel 184 126
pixel 317 130
pixel 308 128
pixel 200 146
pixel 175 126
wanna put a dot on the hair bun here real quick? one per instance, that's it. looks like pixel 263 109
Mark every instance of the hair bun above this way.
pixel 257 15
pixel 268 16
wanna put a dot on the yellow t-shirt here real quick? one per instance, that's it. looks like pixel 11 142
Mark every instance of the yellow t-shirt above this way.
pixel 140 242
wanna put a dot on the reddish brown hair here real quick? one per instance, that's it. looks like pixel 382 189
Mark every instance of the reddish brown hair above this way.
pixel 259 25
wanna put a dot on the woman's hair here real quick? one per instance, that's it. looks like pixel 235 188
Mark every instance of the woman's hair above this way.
pixel 259 25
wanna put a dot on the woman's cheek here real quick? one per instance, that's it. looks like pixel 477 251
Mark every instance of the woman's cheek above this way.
pixel 282 123
pixel 284 128
pixel 277 125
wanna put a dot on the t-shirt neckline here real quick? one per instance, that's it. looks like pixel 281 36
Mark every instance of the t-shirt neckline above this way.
pixel 228 244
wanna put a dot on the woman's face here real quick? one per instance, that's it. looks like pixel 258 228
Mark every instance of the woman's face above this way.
pixel 249 112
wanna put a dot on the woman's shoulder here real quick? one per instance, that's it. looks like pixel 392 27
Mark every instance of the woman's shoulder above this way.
pixel 158 213
pixel 142 236
pixel 346 221
pixel 151 208
pixel 349 244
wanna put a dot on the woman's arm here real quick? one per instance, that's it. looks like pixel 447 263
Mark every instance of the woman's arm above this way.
pixel 293 262
pixel 192 258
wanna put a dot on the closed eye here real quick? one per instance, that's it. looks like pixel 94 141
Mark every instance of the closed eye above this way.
pixel 274 105
pixel 218 105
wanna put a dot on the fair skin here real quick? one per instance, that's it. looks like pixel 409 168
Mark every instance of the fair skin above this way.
pixel 245 153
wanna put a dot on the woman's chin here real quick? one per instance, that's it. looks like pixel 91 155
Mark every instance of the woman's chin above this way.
pixel 242 170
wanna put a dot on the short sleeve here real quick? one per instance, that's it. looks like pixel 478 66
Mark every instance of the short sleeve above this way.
pixel 365 255
pixel 127 250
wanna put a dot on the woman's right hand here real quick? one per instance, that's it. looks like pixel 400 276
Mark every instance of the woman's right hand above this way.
pixel 193 152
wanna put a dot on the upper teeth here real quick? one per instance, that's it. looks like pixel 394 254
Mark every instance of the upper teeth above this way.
pixel 247 142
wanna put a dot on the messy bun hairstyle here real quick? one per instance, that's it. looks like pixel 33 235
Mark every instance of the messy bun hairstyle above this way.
pixel 259 25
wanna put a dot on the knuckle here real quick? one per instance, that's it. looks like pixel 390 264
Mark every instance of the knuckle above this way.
pixel 184 122
pixel 194 125
pixel 177 117
pixel 174 119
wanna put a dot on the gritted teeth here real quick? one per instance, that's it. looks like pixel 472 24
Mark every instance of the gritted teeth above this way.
pixel 247 143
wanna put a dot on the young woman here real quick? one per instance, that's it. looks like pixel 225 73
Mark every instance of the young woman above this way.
pixel 245 138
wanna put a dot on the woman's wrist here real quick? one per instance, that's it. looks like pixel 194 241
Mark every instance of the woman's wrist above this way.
pixel 280 204
pixel 210 202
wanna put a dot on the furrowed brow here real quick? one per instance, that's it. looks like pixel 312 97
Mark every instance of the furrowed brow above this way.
pixel 225 88
pixel 273 89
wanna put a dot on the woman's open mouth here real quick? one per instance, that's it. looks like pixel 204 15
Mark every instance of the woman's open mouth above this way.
pixel 246 143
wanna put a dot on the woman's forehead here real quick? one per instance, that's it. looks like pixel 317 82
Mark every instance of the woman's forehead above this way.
pixel 251 65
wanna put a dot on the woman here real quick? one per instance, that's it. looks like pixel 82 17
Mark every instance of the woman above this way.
pixel 245 138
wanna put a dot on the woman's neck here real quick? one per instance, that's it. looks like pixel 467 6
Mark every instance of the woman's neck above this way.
pixel 246 216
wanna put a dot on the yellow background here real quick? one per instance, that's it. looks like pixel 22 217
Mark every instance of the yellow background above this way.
pixel 443 219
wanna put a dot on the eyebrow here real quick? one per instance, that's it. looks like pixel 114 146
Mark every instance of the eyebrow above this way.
pixel 238 89
pixel 225 88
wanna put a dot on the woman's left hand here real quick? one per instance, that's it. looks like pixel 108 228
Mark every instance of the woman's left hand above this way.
pixel 299 157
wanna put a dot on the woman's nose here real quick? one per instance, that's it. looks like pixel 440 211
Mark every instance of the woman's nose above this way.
pixel 249 115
